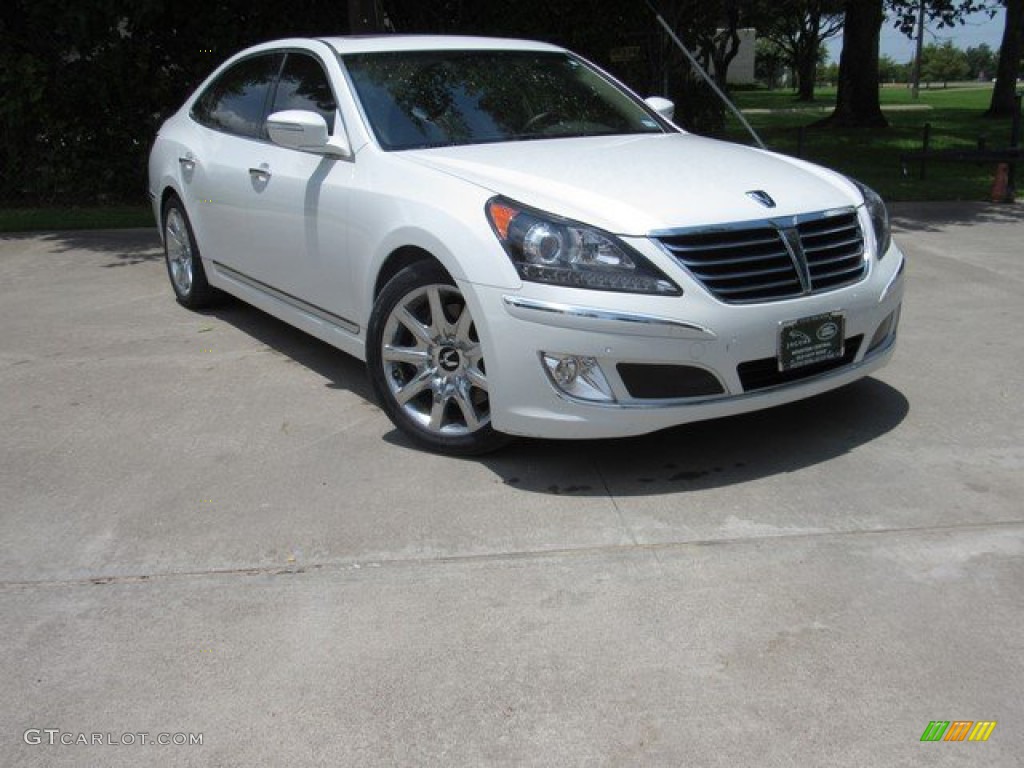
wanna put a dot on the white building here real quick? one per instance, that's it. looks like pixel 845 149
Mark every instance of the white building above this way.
pixel 741 70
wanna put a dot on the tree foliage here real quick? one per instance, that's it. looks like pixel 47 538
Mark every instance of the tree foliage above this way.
pixel 938 13
pixel 770 63
pixel 943 63
pixel 85 85
pixel 891 71
pixel 857 103
pixel 981 62
pixel 798 28
pixel 1004 101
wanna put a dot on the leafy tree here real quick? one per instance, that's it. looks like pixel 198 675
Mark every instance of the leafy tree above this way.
pixel 1004 93
pixel 857 102
pixel 943 63
pixel 799 28
pixel 981 62
pixel 830 74
pixel 697 107
pixel 87 84
pixel 891 71
pixel 717 34
pixel 912 16
pixel 770 62
pixel 938 13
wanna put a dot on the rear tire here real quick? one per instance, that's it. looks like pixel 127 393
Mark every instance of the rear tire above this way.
pixel 181 255
pixel 426 364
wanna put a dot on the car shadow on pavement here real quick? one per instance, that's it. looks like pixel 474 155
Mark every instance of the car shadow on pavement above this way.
pixel 693 457
pixel 709 454
pixel 341 371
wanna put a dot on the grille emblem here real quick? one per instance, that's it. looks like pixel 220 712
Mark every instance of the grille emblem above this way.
pixel 762 197
pixel 791 239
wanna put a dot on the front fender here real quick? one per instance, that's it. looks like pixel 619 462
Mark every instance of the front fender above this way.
pixel 435 213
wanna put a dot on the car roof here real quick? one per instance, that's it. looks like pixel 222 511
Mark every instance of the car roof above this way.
pixel 383 43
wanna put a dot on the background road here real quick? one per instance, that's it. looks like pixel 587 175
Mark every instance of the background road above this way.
pixel 209 528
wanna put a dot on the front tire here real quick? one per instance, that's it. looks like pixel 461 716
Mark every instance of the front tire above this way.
pixel 184 263
pixel 426 363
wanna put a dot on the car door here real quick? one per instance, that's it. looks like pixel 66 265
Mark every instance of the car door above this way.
pixel 215 170
pixel 299 203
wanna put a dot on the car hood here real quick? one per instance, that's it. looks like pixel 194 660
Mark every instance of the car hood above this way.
pixel 633 185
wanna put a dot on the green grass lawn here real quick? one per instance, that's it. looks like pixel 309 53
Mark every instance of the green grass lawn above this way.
pixel 57 218
pixel 872 155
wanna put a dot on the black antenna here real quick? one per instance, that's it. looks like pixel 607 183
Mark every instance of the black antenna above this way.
pixel 701 71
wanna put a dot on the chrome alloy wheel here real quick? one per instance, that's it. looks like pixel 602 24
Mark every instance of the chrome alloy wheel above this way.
pixel 433 363
pixel 179 251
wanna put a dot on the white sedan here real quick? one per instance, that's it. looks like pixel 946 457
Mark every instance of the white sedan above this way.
pixel 515 242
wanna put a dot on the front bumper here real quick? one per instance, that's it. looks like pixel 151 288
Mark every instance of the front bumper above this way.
pixel 695 331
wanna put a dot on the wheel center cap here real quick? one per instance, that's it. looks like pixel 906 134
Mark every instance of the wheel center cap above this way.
pixel 449 359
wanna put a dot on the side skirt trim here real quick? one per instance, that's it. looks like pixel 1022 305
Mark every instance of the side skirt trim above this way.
pixel 287 298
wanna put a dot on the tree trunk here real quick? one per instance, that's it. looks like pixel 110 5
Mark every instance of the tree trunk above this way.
pixel 722 56
pixel 1003 101
pixel 807 68
pixel 857 103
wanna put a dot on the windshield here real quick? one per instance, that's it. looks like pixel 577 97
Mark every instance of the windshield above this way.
pixel 417 99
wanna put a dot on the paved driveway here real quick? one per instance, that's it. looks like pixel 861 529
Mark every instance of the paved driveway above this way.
pixel 210 532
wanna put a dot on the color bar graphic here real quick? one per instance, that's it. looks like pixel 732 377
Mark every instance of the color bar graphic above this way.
pixel 958 730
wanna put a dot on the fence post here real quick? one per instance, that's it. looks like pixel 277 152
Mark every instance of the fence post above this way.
pixel 926 140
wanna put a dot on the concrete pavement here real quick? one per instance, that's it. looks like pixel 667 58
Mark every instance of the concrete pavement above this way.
pixel 208 528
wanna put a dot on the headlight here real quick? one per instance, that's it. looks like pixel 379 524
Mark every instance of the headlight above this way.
pixel 879 218
pixel 549 249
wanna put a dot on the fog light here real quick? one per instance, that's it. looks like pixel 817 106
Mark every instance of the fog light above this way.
pixel 577 376
pixel 885 331
pixel 566 372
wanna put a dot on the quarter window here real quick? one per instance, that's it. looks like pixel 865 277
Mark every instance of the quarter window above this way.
pixel 235 101
pixel 304 85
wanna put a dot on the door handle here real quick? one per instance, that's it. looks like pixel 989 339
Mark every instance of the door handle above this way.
pixel 187 162
pixel 260 174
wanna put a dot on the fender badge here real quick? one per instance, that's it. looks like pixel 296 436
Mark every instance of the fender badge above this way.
pixel 762 197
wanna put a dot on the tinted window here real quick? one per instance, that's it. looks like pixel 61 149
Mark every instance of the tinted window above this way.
pixel 304 85
pixel 438 98
pixel 235 101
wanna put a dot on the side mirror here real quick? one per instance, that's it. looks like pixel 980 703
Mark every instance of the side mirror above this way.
pixel 663 107
pixel 306 131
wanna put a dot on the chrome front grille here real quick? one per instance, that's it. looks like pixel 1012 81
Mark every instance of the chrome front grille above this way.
pixel 773 259
pixel 834 250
